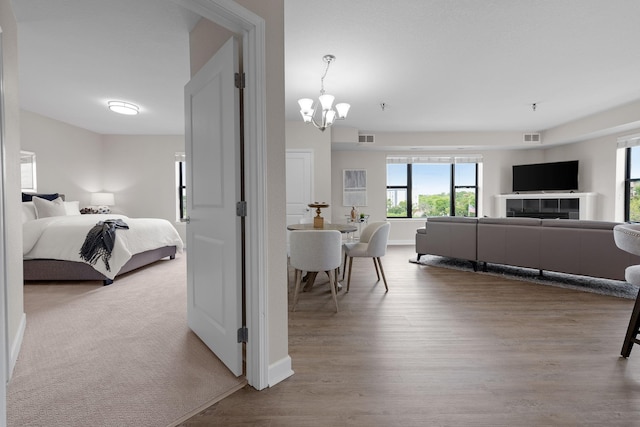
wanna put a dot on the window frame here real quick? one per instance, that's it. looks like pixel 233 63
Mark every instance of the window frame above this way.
pixel 407 188
pixel 452 188
pixel 627 183
pixel 181 186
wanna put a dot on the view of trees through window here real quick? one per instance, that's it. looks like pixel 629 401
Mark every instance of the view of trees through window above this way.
pixel 632 199
pixel 181 180
pixel 417 190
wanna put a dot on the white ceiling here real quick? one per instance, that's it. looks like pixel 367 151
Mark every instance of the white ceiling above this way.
pixel 438 65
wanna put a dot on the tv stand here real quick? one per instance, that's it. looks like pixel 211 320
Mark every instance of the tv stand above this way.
pixel 547 205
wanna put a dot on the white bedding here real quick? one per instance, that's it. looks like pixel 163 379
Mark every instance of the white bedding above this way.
pixel 61 237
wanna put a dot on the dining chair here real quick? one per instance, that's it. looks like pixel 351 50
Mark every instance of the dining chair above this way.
pixel 372 244
pixel 627 238
pixel 313 251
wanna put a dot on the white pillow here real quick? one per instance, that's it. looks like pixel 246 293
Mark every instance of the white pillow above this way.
pixel 72 208
pixel 28 212
pixel 46 208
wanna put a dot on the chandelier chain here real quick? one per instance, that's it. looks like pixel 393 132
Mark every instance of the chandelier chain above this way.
pixel 326 70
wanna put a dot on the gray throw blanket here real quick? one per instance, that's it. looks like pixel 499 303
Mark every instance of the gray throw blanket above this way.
pixel 99 241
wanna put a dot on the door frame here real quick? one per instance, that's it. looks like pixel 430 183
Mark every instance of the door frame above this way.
pixel 4 344
pixel 251 29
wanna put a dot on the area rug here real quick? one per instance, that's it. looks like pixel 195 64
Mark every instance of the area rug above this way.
pixel 615 288
pixel 118 355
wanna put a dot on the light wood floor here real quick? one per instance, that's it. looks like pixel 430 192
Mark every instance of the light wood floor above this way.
pixel 447 348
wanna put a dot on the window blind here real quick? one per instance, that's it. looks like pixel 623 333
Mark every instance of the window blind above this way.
pixel 629 141
pixel 470 158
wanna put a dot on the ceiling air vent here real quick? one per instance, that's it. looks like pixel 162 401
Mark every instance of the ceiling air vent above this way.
pixel 532 138
pixel 366 139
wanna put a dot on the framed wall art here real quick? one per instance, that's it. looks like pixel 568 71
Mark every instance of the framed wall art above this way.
pixel 354 190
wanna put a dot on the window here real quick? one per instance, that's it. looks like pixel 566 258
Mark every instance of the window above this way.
pixel 28 171
pixel 632 185
pixel 432 186
pixel 181 186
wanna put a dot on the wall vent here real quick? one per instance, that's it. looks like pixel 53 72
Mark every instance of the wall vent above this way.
pixel 532 138
pixel 366 139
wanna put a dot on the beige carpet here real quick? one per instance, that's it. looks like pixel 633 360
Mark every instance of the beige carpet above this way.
pixel 118 355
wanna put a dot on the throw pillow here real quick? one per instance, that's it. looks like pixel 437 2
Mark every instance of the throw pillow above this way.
pixel 46 208
pixel 28 197
pixel 28 212
pixel 72 208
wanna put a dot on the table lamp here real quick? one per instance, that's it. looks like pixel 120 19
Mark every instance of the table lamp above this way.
pixel 102 201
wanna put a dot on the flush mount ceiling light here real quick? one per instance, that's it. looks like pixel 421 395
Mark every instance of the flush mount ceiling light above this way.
pixel 328 114
pixel 122 107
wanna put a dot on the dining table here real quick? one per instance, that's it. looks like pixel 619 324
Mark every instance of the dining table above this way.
pixel 343 228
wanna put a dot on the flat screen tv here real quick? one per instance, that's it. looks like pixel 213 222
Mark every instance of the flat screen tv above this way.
pixel 556 176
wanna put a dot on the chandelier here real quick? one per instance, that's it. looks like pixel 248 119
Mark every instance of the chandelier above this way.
pixel 328 115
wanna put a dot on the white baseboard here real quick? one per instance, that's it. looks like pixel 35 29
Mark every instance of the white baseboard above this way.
pixel 16 345
pixel 280 371
pixel 402 242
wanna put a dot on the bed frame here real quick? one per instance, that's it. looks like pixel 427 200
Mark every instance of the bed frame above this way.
pixel 51 269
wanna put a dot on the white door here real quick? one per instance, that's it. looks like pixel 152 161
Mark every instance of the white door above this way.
pixel 214 261
pixel 299 171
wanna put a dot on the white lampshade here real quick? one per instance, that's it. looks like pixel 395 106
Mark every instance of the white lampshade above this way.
pixel 306 104
pixel 327 101
pixel 103 199
pixel 307 116
pixel 343 110
pixel 331 116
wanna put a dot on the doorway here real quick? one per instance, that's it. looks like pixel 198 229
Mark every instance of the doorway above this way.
pixel 252 27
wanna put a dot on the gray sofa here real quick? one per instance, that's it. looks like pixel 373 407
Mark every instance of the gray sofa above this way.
pixel 580 247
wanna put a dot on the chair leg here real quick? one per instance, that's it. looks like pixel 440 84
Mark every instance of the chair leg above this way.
pixel 311 278
pixel 376 266
pixel 384 279
pixel 296 291
pixel 349 277
pixel 632 329
pixel 332 284
pixel 345 265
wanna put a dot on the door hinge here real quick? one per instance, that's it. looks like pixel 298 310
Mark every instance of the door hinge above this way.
pixel 243 334
pixel 241 208
pixel 239 77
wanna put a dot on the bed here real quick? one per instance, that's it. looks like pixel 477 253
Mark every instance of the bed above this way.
pixel 54 232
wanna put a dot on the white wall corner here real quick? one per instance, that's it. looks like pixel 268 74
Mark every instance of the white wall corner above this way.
pixel 16 345
pixel 280 371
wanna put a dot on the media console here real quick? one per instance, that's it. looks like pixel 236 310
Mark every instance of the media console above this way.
pixel 547 205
